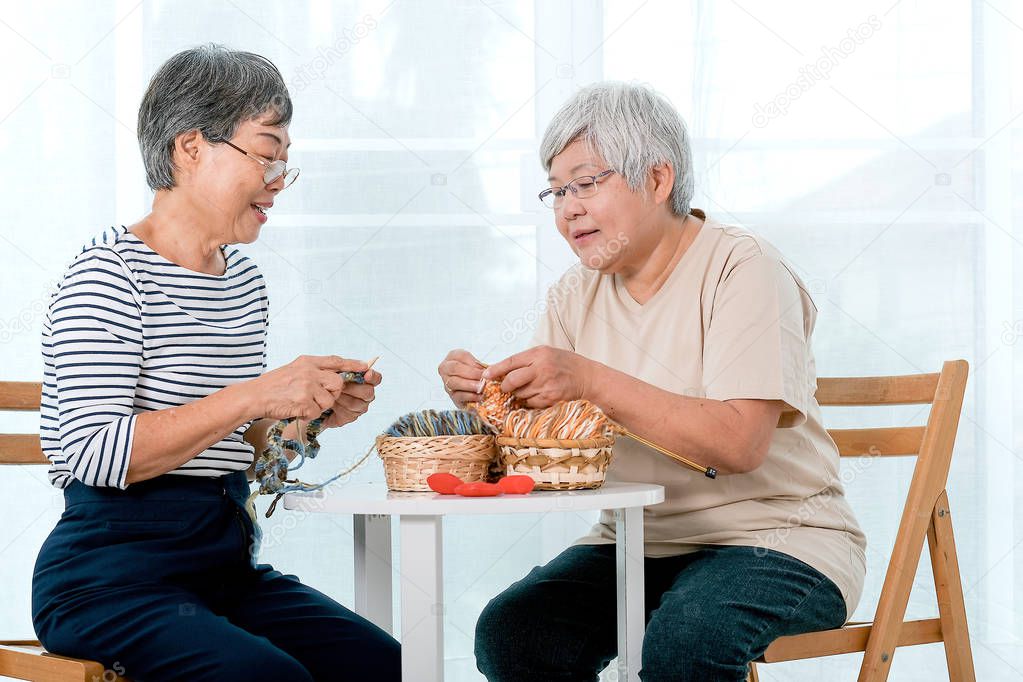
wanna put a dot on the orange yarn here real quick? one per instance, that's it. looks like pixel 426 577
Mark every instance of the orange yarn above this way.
pixel 496 404
pixel 569 420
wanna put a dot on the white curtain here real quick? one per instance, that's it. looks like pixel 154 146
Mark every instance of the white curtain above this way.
pixel 873 143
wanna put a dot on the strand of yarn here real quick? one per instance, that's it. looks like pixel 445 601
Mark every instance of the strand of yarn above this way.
pixel 295 485
pixel 272 465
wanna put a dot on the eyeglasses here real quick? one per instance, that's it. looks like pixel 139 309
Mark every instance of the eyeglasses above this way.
pixel 582 187
pixel 272 169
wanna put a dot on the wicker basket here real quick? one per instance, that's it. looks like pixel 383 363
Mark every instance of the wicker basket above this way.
pixel 557 464
pixel 408 461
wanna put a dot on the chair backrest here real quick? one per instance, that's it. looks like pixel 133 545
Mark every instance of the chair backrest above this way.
pixel 20 448
pixel 931 444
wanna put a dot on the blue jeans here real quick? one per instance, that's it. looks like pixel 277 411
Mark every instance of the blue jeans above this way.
pixel 708 615
pixel 157 582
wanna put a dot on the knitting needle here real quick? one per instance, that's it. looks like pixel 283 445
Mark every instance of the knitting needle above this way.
pixel 709 472
pixel 348 378
pixel 358 377
pixel 355 377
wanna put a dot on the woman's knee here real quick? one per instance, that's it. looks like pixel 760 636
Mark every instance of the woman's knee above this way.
pixel 374 655
pixel 693 644
pixel 515 630
pixel 524 633
pixel 266 664
pixel 499 619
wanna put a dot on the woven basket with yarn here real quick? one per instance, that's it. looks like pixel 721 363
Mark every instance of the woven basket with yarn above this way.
pixel 420 444
pixel 408 461
pixel 555 464
pixel 567 446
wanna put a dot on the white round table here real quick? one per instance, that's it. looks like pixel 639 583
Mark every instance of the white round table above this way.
pixel 421 535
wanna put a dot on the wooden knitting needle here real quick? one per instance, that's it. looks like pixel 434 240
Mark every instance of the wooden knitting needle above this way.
pixel 357 376
pixel 709 472
pixel 346 377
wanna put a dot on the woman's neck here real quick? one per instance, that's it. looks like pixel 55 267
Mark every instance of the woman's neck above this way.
pixel 175 230
pixel 655 267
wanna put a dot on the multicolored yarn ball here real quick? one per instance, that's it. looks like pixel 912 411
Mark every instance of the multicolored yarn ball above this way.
pixel 439 423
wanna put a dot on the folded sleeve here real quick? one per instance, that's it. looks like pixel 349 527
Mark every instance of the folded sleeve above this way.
pixel 758 342
pixel 96 332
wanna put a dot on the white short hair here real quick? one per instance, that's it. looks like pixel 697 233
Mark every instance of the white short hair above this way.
pixel 633 128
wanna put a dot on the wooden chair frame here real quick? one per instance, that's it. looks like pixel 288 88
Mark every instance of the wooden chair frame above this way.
pixel 926 516
pixel 25 659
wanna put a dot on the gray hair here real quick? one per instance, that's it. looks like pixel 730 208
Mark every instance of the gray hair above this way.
pixel 633 128
pixel 211 89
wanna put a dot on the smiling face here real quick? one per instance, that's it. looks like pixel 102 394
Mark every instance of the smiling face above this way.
pixel 228 184
pixel 614 227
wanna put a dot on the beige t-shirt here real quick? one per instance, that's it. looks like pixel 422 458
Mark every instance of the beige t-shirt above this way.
pixel 731 321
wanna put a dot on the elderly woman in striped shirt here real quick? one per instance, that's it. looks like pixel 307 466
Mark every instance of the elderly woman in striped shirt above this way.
pixel 156 395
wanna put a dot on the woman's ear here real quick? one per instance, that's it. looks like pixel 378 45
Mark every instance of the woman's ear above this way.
pixel 186 151
pixel 663 178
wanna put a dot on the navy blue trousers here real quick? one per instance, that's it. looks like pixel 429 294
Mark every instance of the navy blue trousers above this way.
pixel 158 582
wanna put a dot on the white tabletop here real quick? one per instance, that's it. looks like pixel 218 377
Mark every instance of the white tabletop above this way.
pixel 375 498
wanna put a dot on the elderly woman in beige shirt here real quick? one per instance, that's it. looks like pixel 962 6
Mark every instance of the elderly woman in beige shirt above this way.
pixel 695 335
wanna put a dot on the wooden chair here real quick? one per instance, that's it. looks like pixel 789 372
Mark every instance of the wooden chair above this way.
pixel 26 659
pixel 926 515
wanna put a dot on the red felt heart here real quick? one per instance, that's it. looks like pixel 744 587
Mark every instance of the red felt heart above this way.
pixel 478 490
pixel 443 483
pixel 516 485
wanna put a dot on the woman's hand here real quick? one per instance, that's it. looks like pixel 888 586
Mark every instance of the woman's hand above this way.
pixel 303 388
pixel 355 398
pixel 542 376
pixel 461 374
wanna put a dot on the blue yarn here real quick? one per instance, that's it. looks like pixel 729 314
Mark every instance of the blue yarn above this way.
pixel 433 423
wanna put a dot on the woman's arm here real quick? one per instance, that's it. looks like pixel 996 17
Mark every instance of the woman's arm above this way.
pixel 93 352
pixel 166 439
pixel 730 435
pixel 754 363
pixel 352 403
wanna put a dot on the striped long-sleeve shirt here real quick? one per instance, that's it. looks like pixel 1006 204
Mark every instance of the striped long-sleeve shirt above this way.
pixel 128 332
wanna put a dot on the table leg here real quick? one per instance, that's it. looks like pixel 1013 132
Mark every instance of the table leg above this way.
pixel 373 569
pixel 422 599
pixel 631 612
